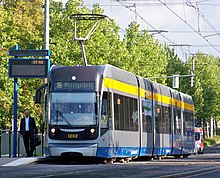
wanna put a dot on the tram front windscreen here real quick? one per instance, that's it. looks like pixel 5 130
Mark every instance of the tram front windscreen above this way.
pixel 73 109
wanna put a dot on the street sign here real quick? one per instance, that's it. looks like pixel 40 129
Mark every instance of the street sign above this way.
pixel 29 52
pixel 28 68
pixel 25 68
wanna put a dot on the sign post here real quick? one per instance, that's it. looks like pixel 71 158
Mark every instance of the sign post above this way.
pixel 15 113
pixel 25 68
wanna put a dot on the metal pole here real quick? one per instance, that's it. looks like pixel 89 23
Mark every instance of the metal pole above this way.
pixel 15 113
pixel 46 40
pixel 83 53
pixel 192 72
pixel 0 143
pixel 15 117
pixel 46 24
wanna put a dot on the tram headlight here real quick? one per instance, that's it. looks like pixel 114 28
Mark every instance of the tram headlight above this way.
pixel 53 130
pixel 92 130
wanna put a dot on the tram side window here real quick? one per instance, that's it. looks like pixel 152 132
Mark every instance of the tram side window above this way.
pixel 166 119
pixel 105 110
pixel 177 121
pixel 122 113
pixel 147 116
pixel 133 114
pixel 125 113
pixel 188 123
pixel 158 119
pixel 163 119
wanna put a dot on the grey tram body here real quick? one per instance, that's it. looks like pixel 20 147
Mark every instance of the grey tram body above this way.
pixel 131 116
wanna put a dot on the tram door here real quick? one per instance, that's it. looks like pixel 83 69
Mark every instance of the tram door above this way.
pixel 146 114
pixel 147 124
pixel 126 126
pixel 106 125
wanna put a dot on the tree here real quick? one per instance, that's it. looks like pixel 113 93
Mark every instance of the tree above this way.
pixel 21 22
pixel 146 56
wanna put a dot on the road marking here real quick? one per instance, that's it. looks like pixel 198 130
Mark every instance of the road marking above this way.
pixel 65 174
pixel 21 161
pixel 190 173
pixel 202 173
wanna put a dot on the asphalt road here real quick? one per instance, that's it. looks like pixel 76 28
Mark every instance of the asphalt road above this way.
pixel 203 165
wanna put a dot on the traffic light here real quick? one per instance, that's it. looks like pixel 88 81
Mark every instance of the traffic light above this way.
pixel 175 81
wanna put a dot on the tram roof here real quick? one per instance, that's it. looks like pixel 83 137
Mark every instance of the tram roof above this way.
pixel 92 73
pixel 60 73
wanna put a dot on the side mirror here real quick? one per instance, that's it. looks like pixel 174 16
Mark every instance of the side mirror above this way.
pixel 38 93
pixel 38 97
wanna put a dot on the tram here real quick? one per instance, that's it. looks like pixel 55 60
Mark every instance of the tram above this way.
pixel 107 113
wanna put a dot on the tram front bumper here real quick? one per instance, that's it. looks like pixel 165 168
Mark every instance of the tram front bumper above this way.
pixel 79 149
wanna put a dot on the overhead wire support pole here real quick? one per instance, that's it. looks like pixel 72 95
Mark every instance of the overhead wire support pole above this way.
pixel 193 68
pixel 46 24
pixel 46 47
pixel 192 71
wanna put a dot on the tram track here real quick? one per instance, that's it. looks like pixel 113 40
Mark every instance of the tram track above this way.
pixel 192 173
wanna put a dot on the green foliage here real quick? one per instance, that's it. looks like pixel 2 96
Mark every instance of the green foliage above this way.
pixel 212 141
pixel 206 90
pixel 176 66
pixel 145 55
pixel 21 22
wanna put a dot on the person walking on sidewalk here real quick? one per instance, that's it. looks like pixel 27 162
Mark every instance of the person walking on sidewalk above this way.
pixel 28 130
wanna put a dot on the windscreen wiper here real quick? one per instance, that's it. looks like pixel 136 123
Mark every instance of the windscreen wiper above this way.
pixel 64 118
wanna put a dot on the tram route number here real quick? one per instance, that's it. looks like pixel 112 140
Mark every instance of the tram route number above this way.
pixel 72 136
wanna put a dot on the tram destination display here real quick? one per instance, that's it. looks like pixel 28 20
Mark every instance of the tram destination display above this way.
pixel 74 86
pixel 28 68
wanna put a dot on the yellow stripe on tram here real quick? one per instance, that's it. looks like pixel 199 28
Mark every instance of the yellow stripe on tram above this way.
pixel 130 89
pixel 176 103
pixel 187 106
pixel 120 86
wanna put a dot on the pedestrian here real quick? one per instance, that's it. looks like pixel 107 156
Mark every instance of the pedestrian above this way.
pixel 28 130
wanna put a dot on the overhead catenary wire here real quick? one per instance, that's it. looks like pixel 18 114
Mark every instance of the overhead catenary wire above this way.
pixel 200 14
pixel 142 18
pixel 153 3
pixel 189 26
pixel 187 3
pixel 126 3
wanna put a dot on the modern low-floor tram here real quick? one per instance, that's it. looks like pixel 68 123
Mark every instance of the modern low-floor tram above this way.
pixel 108 113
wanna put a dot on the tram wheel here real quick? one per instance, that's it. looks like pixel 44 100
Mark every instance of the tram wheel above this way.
pixel 64 160
pixel 185 156
pixel 108 161
pixel 177 156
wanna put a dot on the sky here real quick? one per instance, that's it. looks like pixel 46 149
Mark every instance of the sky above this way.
pixel 188 26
